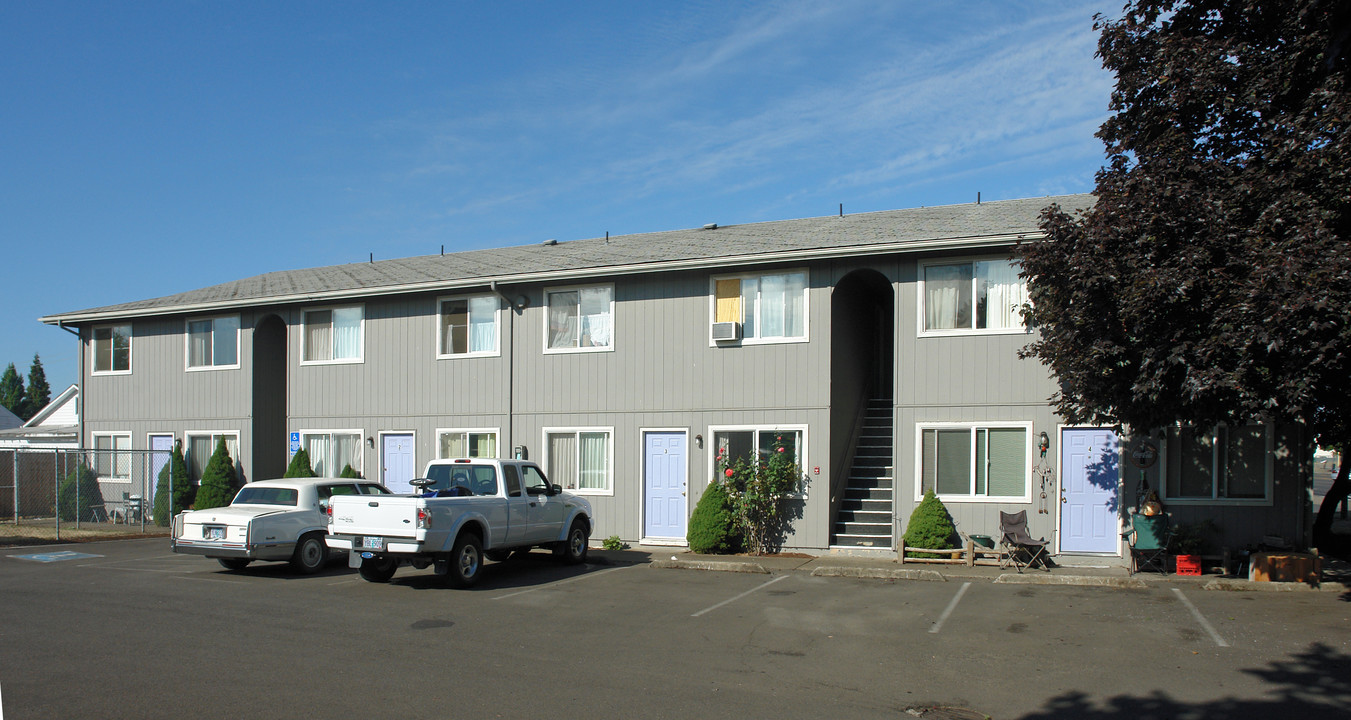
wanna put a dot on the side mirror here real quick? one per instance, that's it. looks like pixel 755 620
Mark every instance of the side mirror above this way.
pixel 555 489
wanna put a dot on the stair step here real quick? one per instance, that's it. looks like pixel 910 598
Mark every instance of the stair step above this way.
pixel 847 517
pixel 868 494
pixel 881 541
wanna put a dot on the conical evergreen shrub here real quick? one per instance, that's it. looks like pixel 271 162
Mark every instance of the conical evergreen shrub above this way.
pixel 930 526
pixel 300 466
pixel 182 488
pixel 79 494
pixel 713 523
pixel 348 472
pixel 219 481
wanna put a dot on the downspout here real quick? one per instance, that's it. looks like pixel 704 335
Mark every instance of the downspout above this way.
pixel 79 386
pixel 511 367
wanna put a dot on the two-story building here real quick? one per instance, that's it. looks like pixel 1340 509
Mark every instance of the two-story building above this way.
pixel 880 348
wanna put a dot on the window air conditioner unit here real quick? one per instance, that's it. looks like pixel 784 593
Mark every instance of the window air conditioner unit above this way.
pixel 726 331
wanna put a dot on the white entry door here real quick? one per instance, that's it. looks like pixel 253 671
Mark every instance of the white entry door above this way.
pixel 397 462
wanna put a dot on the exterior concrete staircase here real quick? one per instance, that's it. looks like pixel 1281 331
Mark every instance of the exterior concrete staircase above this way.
pixel 864 518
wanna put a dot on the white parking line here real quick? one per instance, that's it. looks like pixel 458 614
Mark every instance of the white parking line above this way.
pixel 1200 619
pixel 562 582
pixel 951 606
pixel 742 595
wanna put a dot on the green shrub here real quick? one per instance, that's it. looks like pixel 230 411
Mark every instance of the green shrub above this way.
pixel 348 472
pixel 300 466
pixel 79 495
pixel 219 482
pixel 713 523
pixel 183 490
pixel 930 526
pixel 613 543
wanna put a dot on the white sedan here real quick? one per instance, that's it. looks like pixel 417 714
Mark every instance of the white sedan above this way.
pixel 268 520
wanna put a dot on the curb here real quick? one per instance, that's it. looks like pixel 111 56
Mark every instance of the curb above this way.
pixel 1081 580
pixel 879 573
pixel 1250 586
pixel 741 567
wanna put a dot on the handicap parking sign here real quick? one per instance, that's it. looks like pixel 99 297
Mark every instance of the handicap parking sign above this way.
pixel 295 443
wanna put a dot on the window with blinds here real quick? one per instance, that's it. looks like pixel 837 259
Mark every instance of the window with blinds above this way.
pixel 975 461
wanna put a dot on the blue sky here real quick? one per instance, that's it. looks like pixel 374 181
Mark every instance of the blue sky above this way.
pixel 150 148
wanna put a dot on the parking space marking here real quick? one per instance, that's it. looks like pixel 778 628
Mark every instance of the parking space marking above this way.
pixel 562 582
pixel 951 606
pixel 57 556
pixel 742 595
pixel 1200 619
pixel 103 566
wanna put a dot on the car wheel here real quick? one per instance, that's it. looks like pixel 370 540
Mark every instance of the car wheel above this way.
pixel 310 555
pixel 466 561
pixel 234 563
pixel 378 570
pixel 573 550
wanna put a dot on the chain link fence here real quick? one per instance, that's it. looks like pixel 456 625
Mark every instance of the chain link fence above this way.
pixel 81 495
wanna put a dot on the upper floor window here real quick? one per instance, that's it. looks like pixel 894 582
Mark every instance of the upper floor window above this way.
pixel 112 349
pixel 980 296
pixel 580 319
pixel 333 335
pixel 975 462
pixel 1225 464
pixel 468 326
pixel 213 342
pixel 769 307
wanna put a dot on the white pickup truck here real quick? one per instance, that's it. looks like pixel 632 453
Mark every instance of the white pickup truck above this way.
pixel 468 509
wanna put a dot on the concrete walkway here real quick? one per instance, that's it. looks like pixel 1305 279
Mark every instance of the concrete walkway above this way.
pixel 1336 573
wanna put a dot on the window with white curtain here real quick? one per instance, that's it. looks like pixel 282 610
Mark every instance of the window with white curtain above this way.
pixel 213 342
pixel 770 307
pixel 979 296
pixel 332 450
pixel 468 326
pixel 111 348
pixel 580 319
pixel 579 459
pixel 111 461
pixel 333 335
pixel 1223 464
pixel 466 443
pixel 967 461
pixel 201 445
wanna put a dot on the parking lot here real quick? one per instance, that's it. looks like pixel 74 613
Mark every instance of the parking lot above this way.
pixel 128 629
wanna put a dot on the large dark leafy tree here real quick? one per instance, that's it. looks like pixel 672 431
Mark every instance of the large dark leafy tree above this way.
pixel 1211 281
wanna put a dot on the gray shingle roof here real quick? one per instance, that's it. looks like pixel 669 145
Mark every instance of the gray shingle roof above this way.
pixel 949 226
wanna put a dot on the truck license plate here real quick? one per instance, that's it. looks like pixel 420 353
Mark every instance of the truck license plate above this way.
pixel 373 543
pixel 213 532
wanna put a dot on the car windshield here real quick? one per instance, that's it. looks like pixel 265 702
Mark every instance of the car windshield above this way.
pixel 265 496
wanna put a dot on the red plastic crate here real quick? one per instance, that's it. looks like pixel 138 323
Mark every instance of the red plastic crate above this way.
pixel 1188 565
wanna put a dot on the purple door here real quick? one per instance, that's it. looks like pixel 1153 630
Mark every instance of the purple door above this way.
pixel 1090 471
pixel 664 479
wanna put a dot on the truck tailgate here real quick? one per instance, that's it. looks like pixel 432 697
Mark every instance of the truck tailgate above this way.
pixel 384 515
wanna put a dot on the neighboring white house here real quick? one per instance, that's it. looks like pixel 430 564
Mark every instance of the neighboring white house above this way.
pixel 55 426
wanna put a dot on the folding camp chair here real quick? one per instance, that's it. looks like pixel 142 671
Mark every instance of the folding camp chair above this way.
pixel 1148 537
pixel 1023 551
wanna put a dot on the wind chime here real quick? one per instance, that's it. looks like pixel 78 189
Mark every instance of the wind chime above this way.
pixel 1042 472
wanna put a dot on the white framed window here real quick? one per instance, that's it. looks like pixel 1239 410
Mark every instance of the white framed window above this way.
pixel 332 450
pixel 466 443
pixel 1226 465
pixel 581 460
pixel 201 445
pixel 756 442
pixel 333 335
pixel 110 346
pixel 769 307
pixel 111 459
pixel 468 326
pixel 974 296
pixel 974 462
pixel 581 319
pixel 213 343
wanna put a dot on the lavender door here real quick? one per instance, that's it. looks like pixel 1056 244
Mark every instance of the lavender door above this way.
pixel 664 480
pixel 1090 471
pixel 396 459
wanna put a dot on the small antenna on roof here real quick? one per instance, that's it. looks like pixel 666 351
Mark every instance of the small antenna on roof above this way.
pixel 372 258
pixel 977 197
pixel 841 209
pixel 443 248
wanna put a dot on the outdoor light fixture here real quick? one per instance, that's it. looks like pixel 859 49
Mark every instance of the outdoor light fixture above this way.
pixel 699 441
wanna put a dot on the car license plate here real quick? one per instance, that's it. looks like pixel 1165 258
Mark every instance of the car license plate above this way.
pixel 373 543
pixel 213 532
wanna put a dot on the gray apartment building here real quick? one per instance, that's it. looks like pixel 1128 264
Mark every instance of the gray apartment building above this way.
pixel 880 348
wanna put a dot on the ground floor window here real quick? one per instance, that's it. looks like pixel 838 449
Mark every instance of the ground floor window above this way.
pixel 580 459
pixel 466 443
pixel 332 450
pixel 971 461
pixel 111 462
pixel 756 443
pixel 202 445
pixel 1221 464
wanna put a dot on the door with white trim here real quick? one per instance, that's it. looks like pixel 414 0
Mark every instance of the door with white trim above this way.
pixel 1090 476
pixel 664 484
pixel 396 462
